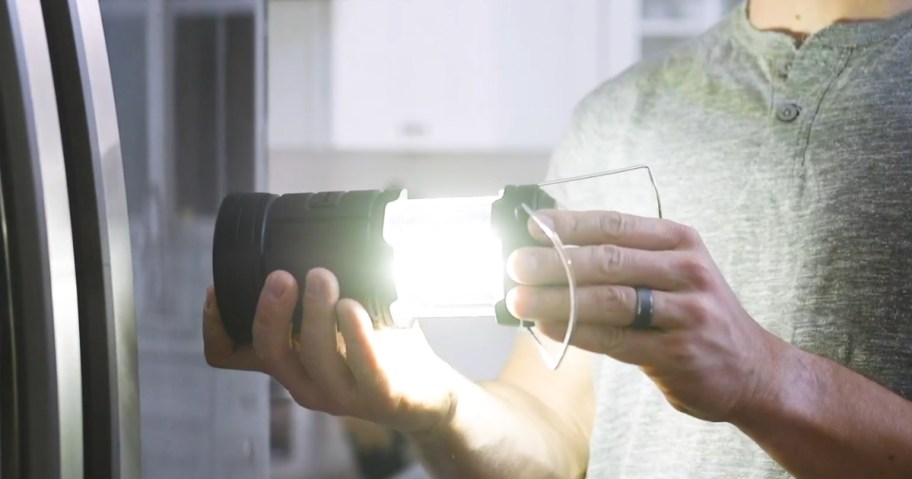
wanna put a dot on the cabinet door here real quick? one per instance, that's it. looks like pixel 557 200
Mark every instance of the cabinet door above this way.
pixel 467 75
pixel 365 77
pixel 446 61
pixel 547 60
pixel 410 74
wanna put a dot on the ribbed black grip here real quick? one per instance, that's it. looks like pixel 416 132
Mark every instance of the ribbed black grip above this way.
pixel 256 234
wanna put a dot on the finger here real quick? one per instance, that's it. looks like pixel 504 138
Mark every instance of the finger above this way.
pixel 605 305
pixel 360 338
pixel 610 227
pixel 218 348
pixel 319 345
pixel 272 338
pixel 642 348
pixel 602 264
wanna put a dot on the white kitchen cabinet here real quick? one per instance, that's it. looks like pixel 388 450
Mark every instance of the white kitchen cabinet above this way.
pixel 458 75
pixel 465 75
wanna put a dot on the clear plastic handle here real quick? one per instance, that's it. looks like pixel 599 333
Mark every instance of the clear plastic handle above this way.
pixel 554 362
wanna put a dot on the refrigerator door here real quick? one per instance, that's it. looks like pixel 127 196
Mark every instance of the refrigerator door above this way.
pixel 101 236
pixel 42 420
pixel 69 401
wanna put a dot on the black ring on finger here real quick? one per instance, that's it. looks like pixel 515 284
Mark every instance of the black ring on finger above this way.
pixel 645 307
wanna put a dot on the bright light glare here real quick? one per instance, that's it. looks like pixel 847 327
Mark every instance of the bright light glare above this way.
pixel 447 260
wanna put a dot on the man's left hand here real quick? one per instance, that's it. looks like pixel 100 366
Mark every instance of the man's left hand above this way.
pixel 703 350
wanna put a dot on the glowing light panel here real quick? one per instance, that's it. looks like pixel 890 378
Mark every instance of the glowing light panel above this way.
pixel 447 260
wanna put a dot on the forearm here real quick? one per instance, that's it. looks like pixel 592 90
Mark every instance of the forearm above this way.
pixel 499 430
pixel 824 420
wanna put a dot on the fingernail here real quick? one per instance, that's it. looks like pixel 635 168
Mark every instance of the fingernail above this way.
pixel 277 285
pixel 313 286
pixel 510 300
pixel 531 261
pixel 521 265
pixel 515 303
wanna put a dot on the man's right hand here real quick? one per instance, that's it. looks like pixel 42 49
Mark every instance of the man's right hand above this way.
pixel 338 363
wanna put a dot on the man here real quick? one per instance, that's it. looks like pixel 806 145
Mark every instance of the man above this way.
pixel 780 339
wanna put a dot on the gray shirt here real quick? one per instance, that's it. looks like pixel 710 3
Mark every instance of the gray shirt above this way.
pixel 795 165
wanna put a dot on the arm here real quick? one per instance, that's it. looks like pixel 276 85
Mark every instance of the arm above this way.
pixel 531 422
pixel 704 351
pixel 820 419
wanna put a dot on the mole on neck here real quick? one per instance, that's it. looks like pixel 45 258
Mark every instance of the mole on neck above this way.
pixel 802 18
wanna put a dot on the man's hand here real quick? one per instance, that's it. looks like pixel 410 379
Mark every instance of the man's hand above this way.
pixel 705 353
pixel 338 363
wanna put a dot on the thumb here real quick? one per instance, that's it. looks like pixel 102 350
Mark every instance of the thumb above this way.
pixel 277 299
pixel 272 326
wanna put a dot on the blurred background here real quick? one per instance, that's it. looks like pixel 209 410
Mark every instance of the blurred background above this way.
pixel 444 97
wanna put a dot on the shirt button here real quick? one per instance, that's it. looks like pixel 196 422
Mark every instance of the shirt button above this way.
pixel 788 112
pixel 784 70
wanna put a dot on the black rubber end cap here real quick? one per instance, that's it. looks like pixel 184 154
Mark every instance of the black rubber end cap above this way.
pixel 236 269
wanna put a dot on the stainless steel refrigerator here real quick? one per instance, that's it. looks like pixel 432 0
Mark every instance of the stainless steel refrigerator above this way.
pixel 113 156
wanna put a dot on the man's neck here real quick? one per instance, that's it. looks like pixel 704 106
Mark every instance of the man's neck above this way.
pixel 801 18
